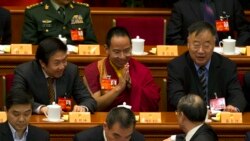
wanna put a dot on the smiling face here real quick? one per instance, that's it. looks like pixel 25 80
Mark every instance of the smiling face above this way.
pixel 56 64
pixel 117 133
pixel 119 51
pixel 18 116
pixel 201 47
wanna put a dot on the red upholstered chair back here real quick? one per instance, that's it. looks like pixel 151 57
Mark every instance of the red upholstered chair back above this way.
pixel 152 29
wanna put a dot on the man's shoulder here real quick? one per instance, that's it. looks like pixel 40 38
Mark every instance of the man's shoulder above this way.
pixel 88 134
pixel 222 60
pixel 34 6
pixel 38 130
pixel 137 136
pixel 80 4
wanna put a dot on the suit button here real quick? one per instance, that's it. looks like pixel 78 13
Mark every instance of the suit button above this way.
pixel 64 27
pixel 46 30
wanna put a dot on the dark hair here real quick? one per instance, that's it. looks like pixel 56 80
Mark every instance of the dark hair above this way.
pixel 121 115
pixel 201 26
pixel 48 47
pixel 17 96
pixel 116 31
pixel 193 107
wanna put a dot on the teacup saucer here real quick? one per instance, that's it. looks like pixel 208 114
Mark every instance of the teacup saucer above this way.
pixel 46 119
pixel 144 53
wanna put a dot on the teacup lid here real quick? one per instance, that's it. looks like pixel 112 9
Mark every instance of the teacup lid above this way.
pixel 138 39
pixel 54 105
pixel 125 105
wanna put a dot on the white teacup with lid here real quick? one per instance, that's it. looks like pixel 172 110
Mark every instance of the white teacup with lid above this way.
pixel 137 45
pixel 228 46
pixel 124 104
pixel 54 112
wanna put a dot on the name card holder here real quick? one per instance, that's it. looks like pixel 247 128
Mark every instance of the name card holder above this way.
pixel 150 117
pixel 21 48
pixel 3 117
pixel 167 50
pixel 228 117
pixel 248 50
pixel 89 49
pixel 79 117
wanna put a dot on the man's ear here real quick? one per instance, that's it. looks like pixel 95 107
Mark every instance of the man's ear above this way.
pixel 105 125
pixel 106 49
pixel 42 63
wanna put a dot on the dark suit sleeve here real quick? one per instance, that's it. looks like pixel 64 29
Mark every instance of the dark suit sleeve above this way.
pixel 242 25
pixel 175 84
pixel 29 33
pixel 235 95
pixel 246 89
pixel 174 27
pixel 81 94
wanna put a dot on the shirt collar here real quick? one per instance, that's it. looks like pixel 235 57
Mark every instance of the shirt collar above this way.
pixel 104 135
pixel 206 66
pixel 14 133
pixel 192 132
pixel 55 5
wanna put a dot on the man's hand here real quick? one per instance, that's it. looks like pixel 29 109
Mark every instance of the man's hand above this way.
pixel 230 108
pixel 44 110
pixel 78 108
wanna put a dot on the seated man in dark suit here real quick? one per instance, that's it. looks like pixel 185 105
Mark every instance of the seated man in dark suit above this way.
pixel 119 125
pixel 204 72
pixel 17 128
pixel 193 123
pixel 5 26
pixel 187 12
pixel 50 77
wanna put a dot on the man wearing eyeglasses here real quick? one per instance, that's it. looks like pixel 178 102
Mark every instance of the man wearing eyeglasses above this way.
pixel 204 72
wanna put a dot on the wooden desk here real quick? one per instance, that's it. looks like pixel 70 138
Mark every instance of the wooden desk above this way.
pixel 64 131
pixel 157 65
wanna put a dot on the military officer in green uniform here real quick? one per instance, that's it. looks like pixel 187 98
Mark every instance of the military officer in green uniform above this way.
pixel 52 18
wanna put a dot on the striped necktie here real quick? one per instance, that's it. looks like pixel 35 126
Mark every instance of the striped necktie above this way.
pixel 51 91
pixel 203 81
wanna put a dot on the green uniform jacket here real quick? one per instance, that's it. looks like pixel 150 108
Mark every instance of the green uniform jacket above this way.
pixel 42 20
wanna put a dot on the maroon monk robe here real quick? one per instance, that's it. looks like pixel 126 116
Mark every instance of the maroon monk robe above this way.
pixel 143 95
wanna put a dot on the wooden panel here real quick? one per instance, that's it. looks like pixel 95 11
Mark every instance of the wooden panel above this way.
pixel 101 17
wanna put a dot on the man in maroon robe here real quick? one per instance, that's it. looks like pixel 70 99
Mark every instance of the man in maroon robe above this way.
pixel 120 78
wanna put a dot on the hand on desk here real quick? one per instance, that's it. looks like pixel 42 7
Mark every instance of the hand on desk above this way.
pixel 78 108
pixel 230 108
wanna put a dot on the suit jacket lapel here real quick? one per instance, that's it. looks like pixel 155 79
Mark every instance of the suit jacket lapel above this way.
pixel 61 87
pixel 213 76
pixel 195 6
pixel 69 13
pixel 6 133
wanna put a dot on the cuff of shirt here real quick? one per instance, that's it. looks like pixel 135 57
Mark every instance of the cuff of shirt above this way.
pixel 173 138
pixel 38 109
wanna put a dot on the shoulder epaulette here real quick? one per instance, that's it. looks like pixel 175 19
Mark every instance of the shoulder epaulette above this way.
pixel 34 5
pixel 81 3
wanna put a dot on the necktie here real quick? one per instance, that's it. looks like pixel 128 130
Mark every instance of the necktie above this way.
pixel 51 89
pixel 61 12
pixel 203 81
pixel 209 15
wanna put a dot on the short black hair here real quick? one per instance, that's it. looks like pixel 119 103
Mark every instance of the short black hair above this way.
pixel 125 117
pixel 116 31
pixel 193 107
pixel 201 26
pixel 18 96
pixel 48 47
